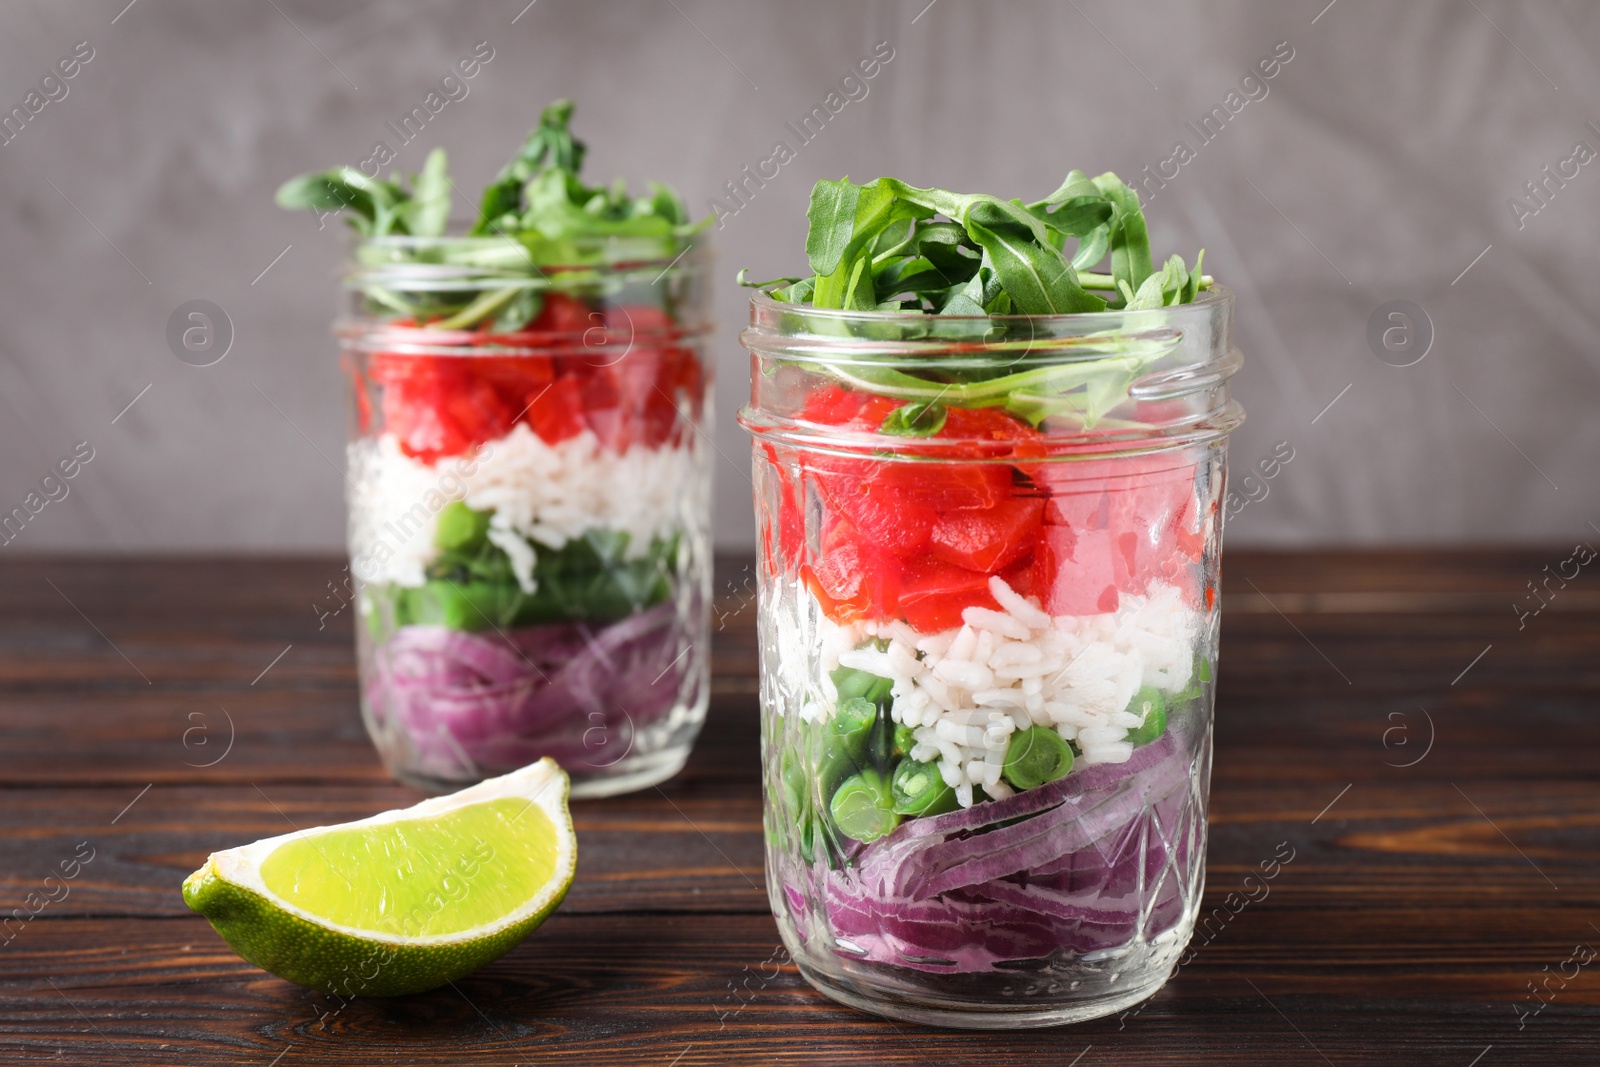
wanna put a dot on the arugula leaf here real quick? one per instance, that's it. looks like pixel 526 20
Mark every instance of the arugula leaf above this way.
pixel 550 145
pixel 895 239
pixel 829 290
pixel 947 258
pixel 832 216
pixel 797 293
pixel 915 420
pixel 1076 209
pixel 1037 279
pixel 428 210
pixel 945 245
pixel 1075 186
pixel 498 208
pixel 858 292
pixel 1130 243
pixel 326 191
pixel 941 252
pixel 1092 248
pixel 1192 287
pixel 961 304
pixel 520 310
pixel 544 213
pixel 914 276
pixel 376 204
pixel 875 212
pixel 743 279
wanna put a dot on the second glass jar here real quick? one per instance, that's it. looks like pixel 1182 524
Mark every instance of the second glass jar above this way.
pixel 529 508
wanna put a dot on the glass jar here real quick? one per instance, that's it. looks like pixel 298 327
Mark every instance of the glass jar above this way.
pixel 988 627
pixel 529 506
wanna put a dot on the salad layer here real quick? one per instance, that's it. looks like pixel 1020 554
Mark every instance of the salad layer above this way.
pixel 467 703
pixel 1058 872
pixel 537 494
pixel 967 691
pixel 1018 788
pixel 527 591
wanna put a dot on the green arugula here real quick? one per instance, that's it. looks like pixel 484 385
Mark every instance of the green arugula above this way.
pixel 889 246
pixel 377 207
pixel 536 214
pixel 921 419
pixel 950 258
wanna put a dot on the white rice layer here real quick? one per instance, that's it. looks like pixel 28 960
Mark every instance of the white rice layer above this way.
pixel 538 492
pixel 966 690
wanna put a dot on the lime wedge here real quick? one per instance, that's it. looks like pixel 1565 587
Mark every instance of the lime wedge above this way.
pixel 403 901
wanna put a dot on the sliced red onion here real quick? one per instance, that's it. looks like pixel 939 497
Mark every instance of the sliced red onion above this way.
pixel 922 847
pixel 1072 866
pixel 478 703
pixel 440 648
pixel 1067 828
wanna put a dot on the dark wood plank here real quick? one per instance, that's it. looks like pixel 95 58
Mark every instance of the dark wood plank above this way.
pixel 1359 985
pixel 1440 803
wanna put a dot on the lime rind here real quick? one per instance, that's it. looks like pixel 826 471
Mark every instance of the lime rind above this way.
pixel 281 937
pixel 314 955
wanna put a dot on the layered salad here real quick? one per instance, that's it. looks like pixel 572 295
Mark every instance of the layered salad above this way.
pixel 527 485
pixel 988 615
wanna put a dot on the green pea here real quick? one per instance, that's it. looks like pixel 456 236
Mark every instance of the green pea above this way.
pixel 385 609
pixel 839 746
pixel 853 683
pixel 918 789
pixel 863 807
pixel 1035 756
pixel 792 775
pixel 811 830
pixel 812 834
pixel 852 724
pixel 1152 707
pixel 460 605
pixel 460 528
pixel 904 740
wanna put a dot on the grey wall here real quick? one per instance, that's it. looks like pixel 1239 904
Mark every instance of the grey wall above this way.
pixel 1378 167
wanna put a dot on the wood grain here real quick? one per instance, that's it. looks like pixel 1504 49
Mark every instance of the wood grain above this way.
pixel 1440 799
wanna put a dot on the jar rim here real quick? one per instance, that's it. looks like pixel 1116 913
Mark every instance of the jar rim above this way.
pixel 1214 296
pixel 890 338
pixel 590 240
pixel 593 342
pixel 1172 364
pixel 607 257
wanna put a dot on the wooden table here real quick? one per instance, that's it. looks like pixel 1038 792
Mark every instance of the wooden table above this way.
pixel 1421 904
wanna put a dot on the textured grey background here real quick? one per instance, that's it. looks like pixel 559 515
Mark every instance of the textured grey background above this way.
pixel 1378 167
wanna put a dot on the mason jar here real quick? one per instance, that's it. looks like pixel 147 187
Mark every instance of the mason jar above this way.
pixel 528 506
pixel 988 621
